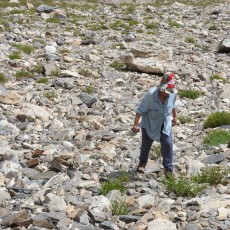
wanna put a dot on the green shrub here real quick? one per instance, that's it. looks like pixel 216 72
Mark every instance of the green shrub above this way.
pixel 2 78
pixel 212 175
pixel 217 119
pixel 151 25
pixel 114 184
pixel 119 207
pixel 218 77
pixel 50 95
pixel 183 186
pixel 43 80
pixel 117 65
pixel 184 119
pixel 189 93
pixel 23 73
pixel 217 137
pixel 15 55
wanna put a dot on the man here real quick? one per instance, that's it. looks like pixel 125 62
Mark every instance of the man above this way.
pixel 157 112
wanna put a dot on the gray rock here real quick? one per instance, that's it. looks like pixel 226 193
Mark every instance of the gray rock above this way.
pixel 213 159
pixel 44 9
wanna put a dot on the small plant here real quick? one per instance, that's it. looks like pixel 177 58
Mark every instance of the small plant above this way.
pixel 217 137
pixel 53 20
pixel 89 89
pixel 212 175
pixel 114 184
pixel 56 72
pixel 183 186
pixel 157 152
pixel 38 69
pixel 15 55
pixel 24 48
pixel 217 119
pixel 151 25
pixel 85 72
pixel 23 73
pixel 190 40
pixel 119 207
pixel 213 27
pixel 117 65
pixel 173 23
pixel 184 119
pixel 2 78
pixel 50 95
pixel 189 93
pixel 43 80
pixel 119 25
pixel 218 77
pixel 121 45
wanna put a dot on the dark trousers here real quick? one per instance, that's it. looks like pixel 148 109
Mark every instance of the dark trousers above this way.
pixel 166 148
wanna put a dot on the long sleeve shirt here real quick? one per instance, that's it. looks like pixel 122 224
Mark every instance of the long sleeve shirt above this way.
pixel 154 113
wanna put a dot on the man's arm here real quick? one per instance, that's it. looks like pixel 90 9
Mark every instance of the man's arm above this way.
pixel 135 127
pixel 174 121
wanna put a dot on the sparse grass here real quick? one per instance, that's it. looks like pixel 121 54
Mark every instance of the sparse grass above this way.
pixel 212 175
pixel 173 23
pixel 158 3
pixel 15 55
pixel 97 26
pixel 53 20
pixel 217 137
pixel 2 78
pixel 85 72
pixel 120 45
pixel 213 27
pixel 38 69
pixel 50 95
pixel 183 186
pixel 190 40
pixel 23 73
pixel 114 184
pixel 157 152
pixel 217 119
pixel 56 72
pixel 43 80
pixel 189 93
pixel 119 207
pixel 184 119
pixel 117 65
pixel 151 25
pixel 218 77
pixel 119 25
pixel 24 48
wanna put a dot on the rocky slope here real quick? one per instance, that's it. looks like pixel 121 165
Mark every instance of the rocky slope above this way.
pixel 67 109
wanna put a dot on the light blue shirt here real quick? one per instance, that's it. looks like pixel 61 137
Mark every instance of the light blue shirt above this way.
pixel 154 114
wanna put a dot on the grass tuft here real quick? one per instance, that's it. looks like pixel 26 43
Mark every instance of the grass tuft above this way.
pixel 217 119
pixel 217 137
pixel 189 93
pixel 114 184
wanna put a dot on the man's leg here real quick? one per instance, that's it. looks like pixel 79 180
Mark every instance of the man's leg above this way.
pixel 167 151
pixel 145 148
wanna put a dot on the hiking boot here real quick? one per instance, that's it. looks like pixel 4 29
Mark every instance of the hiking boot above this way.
pixel 141 167
pixel 168 173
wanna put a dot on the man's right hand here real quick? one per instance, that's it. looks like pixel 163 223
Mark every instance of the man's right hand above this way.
pixel 135 129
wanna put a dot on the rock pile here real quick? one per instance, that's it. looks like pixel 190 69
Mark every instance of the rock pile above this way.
pixel 66 113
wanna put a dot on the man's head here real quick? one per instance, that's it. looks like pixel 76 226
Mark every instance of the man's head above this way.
pixel 167 83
